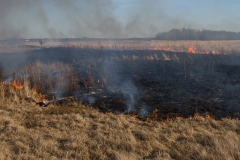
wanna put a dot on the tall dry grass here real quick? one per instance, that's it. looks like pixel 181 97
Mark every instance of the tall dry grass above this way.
pixel 77 132
pixel 74 131
pixel 33 81
pixel 227 47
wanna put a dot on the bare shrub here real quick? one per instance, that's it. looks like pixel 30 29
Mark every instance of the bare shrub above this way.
pixel 39 79
pixel 56 77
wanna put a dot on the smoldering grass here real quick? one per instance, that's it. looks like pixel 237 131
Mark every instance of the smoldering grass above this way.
pixel 79 132
pixel 144 111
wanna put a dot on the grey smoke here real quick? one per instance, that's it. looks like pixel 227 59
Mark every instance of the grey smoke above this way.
pixel 119 83
pixel 100 18
pixel 144 111
pixel 85 97
pixel 10 62
pixel 130 92
pixel 57 19
pixel 91 100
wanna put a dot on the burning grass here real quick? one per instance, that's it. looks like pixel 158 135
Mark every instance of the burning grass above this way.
pixel 39 82
pixel 141 82
pixel 78 132
pixel 108 104
pixel 190 46
pixel 202 47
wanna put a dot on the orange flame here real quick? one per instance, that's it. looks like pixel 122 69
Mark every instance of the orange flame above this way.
pixel 17 85
pixel 134 115
pixel 197 115
pixel 191 50
pixel 208 116
pixel 35 91
pixel 215 52
pixel 43 99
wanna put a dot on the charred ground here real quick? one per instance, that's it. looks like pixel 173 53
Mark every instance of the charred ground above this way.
pixel 136 81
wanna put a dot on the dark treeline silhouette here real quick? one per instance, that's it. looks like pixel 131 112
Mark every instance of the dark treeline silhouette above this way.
pixel 192 34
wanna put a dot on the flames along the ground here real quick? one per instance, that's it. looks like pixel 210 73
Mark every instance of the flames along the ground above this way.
pixel 154 117
pixel 189 50
pixel 20 85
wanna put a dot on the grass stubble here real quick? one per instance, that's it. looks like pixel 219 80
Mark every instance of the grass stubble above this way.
pixel 74 131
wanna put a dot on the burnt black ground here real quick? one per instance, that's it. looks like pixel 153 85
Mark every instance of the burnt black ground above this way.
pixel 208 84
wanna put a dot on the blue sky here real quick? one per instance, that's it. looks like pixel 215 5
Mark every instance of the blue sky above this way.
pixel 204 14
pixel 113 18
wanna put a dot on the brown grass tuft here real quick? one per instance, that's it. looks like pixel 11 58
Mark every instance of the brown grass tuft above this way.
pixel 76 132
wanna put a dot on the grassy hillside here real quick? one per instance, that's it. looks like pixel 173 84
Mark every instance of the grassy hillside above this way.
pixel 78 132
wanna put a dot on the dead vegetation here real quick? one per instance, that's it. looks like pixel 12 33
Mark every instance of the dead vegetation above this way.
pixel 86 120
pixel 206 47
pixel 173 84
pixel 75 131
pixel 78 132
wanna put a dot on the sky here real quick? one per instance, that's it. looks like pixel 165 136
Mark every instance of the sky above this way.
pixel 113 18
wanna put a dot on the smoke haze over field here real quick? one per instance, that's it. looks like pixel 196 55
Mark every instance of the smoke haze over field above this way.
pixel 112 18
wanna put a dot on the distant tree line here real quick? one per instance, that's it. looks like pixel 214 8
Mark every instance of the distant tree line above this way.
pixel 192 34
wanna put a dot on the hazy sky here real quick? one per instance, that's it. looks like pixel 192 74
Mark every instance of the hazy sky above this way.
pixel 113 18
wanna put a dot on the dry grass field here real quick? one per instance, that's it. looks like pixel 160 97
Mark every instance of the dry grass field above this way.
pixel 74 131
pixel 226 47
pixel 67 128
pixel 206 47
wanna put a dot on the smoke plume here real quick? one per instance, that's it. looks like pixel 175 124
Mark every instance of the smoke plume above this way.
pixel 120 83
pixel 105 18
